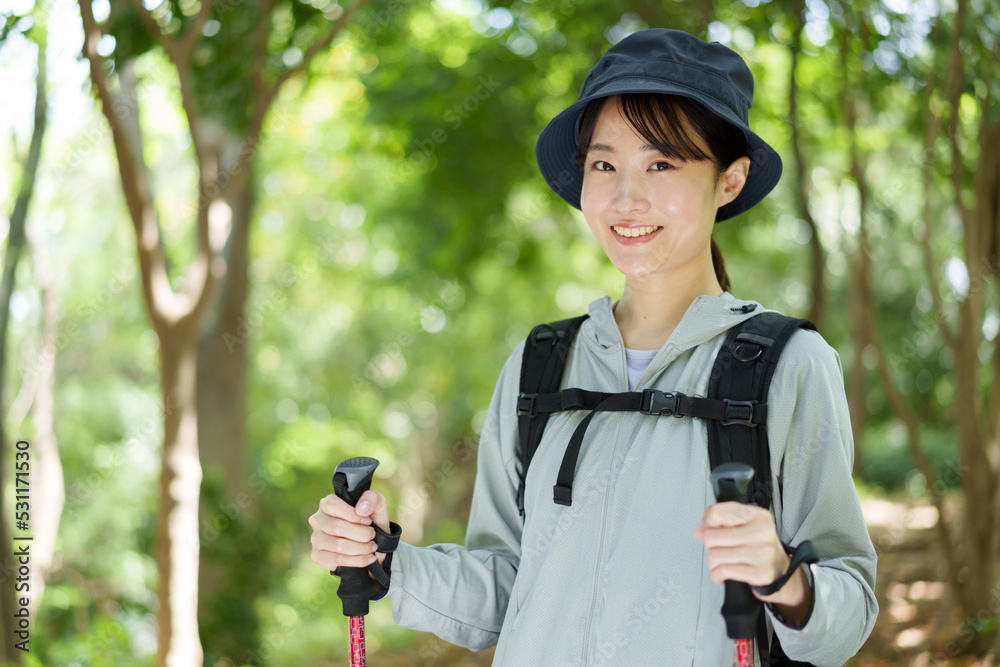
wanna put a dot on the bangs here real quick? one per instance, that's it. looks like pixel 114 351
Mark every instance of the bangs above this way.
pixel 660 121
pixel 672 125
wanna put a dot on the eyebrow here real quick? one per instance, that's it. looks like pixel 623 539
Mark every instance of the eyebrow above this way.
pixel 605 148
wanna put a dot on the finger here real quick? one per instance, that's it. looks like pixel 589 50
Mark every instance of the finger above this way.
pixel 740 572
pixel 329 525
pixel 763 563
pixel 756 534
pixel 338 508
pixel 331 561
pixel 745 556
pixel 733 514
pixel 340 545
pixel 374 506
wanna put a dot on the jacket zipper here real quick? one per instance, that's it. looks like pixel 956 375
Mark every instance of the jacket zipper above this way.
pixel 600 549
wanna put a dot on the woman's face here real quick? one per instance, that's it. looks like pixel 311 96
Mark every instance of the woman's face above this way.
pixel 650 213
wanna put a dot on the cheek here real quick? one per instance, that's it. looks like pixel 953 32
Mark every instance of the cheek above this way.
pixel 591 203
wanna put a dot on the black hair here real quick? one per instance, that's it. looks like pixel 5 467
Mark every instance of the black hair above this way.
pixel 659 119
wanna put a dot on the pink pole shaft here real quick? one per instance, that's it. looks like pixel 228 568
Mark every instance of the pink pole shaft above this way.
pixel 744 653
pixel 357 641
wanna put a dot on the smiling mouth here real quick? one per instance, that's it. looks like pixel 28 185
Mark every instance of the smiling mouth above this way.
pixel 634 232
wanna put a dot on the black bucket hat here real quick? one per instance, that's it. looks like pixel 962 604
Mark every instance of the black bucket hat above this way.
pixel 669 62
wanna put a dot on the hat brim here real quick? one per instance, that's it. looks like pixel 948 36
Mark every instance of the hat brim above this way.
pixel 556 147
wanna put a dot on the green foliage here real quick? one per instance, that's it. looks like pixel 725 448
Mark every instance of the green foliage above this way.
pixel 888 462
pixel 403 245
pixel 230 52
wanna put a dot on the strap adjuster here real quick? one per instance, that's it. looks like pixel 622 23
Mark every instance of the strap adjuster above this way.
pixel 739 412
pixel 656 402
pixel 526 405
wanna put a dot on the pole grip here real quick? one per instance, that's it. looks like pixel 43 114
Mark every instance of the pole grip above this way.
pixel 351 479
pixel 740 608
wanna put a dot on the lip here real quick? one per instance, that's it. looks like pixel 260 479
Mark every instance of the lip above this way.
pixel 634 240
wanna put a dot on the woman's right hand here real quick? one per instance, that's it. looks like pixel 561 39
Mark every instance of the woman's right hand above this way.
pixel 343 535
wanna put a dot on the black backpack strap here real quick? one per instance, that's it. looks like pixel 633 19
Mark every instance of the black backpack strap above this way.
pixel 742 373
pixel 542 365
pixel 741 378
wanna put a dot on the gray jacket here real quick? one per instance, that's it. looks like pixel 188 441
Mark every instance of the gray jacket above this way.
pixel 618 577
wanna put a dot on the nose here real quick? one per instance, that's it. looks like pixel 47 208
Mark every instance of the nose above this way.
pixel 631 195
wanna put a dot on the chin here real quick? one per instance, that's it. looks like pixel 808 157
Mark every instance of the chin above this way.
pixel 636 271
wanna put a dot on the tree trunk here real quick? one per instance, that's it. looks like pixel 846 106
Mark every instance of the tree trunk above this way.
pixel 859 286
pixel 856 399
pixel 223 598
pixel 817 308
pixel 222 363
pixel 46 471
pixel 177 544
pixel 978 482
pixel 980 467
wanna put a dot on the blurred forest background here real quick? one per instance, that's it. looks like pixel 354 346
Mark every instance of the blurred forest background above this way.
pixel 243 241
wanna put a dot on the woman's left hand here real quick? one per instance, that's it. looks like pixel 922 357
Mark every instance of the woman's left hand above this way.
pixel 742 545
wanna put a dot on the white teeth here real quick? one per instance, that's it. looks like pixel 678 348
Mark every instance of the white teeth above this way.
pixel 632 232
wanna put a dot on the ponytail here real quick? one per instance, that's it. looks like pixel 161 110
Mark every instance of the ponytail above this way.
pixel 720 266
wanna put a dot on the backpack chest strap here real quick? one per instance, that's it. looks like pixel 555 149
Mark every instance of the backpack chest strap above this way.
pixel 648 402
pixel 651 402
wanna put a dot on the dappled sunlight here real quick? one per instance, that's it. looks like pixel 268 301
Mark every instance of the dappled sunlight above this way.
pixel 882 512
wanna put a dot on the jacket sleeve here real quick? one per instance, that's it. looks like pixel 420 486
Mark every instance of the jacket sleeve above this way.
pixel 809 423
pixel 460 593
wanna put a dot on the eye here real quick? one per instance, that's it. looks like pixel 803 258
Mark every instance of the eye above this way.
pixel 601 165
pixel 661 166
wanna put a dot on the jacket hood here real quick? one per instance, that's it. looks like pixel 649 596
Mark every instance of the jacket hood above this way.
pixel 706 318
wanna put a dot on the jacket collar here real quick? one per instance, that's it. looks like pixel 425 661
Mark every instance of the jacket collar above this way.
pixel 705 318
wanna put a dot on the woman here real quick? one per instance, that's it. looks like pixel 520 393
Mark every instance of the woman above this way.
pixel 655 152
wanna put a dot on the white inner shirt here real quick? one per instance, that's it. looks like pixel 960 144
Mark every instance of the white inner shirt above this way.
pixel 637 361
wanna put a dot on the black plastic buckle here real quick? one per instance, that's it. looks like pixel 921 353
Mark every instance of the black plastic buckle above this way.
pixel 526 405
pixel 739 412
pixel 656 402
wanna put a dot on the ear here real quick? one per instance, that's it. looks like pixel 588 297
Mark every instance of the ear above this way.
pixel 732 180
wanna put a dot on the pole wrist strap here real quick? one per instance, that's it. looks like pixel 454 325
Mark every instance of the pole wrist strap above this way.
pixel 385 543
pixel 804 553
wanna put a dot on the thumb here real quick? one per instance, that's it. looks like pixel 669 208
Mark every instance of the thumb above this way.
pixel 372 504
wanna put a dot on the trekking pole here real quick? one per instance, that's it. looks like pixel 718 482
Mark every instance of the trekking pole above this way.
pixel 352 478
pixel 740 608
